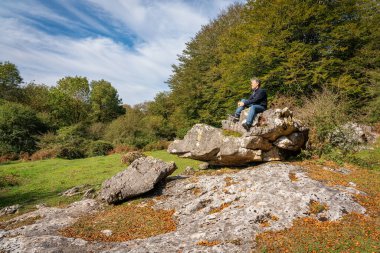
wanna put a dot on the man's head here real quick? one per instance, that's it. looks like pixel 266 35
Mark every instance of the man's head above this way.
pixel 255 83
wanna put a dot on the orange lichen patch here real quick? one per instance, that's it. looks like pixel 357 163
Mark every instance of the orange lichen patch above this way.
pixel 127 222
pixel 235 241
pixel 220 208
pixel 193 179
pixel 229 181
pixel 265 224
pixel 160 197
pixel 293 177
pixel 16 224
pixel 316 207
pixel 208 243
pixel 355 233
pixel 196 191
pixel 274 217
pixel 265 220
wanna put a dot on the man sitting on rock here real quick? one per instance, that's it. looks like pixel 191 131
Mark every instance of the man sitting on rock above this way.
pixel 257 103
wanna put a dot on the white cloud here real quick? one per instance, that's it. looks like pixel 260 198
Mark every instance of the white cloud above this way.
pixel 162 28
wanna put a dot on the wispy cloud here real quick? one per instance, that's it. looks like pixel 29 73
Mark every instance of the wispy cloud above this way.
pixel 130 43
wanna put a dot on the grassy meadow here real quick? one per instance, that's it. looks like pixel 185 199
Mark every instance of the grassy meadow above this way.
pixel 31 183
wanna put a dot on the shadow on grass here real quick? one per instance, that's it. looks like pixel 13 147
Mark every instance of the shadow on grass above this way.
pixel 28 198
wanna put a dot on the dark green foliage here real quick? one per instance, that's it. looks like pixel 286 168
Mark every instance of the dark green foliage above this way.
pixel 19 126
pixel 295 47
pixel 70 142
pixel 71 151
pixel 134 128
pixel 98 148
pixel 105 102
pixel 10 80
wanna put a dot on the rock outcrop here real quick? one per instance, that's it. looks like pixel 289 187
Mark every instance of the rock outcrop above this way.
pixel 140 177
pixel 273 134
pixel 226 210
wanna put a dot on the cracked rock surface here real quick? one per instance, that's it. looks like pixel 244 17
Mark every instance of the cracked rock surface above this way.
pixel 228 209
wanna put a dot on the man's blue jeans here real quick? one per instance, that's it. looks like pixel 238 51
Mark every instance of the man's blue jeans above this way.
pixel 253 111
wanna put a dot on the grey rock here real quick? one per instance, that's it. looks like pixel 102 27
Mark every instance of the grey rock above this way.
pixel 76 190
pixel 106 232
pixel 353 136
pixel 340 170
pixel 140 177
pixel 273 155
pixel 129 157
pixel 273 131
pixel 205 142
pixel 203 166
pixel 189 170
pixel 10 209
pixel 237 156
pixel 89 194
pixel 292 142
pixel 270 124
pixel 250 197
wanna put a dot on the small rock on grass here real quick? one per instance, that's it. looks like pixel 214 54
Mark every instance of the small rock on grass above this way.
pixel 10 209
pixel 203 166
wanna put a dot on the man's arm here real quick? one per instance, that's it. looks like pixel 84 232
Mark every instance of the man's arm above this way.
pixel 258 96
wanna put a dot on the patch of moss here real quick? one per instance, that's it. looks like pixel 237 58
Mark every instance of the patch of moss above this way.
pixel 231 133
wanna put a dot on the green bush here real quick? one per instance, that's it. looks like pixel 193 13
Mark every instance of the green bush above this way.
pixel 98 148
pixel 19 126
pixel 71 152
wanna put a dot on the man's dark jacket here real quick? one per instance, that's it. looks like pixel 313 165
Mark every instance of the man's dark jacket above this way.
pixel 258 97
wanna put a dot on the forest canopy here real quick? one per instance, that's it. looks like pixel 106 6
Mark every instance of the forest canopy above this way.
pixel 297 49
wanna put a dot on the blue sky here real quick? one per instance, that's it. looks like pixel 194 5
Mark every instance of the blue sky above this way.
pixel 131 43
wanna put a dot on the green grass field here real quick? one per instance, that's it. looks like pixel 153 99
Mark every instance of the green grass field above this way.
pixel 31 183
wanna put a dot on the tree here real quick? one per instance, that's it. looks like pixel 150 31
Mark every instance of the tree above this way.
pixel 295 47
pixel 10 80
pixel 37 97
pixel 19 127
pixel 69 100
pixel 105 102
pixel 76 87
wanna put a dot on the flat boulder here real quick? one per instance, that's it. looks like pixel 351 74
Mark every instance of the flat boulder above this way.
pixel 139 177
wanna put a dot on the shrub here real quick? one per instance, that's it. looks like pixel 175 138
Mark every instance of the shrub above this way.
pixel 24 156
pixel 18 127
pixel 98 148
pixel 282 101
pixel 71 152
pixel 324 113
pixel 8 157
pixel 97 130
pixel 158 145
pixel 122 149
pixel 45 154
pixel 131 156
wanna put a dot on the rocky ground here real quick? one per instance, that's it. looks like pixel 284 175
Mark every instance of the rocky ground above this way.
pixel 214 213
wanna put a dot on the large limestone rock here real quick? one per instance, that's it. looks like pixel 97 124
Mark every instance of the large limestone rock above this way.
pixel 206 141
pixel 274 134
pixel 228 209
pixel 140 177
